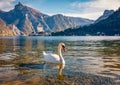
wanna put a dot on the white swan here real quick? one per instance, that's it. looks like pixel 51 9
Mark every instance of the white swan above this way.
pixel 54 58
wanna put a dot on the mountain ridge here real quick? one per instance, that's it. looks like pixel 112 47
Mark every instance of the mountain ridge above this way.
pixel 109 26
pixel 29 20
pixel 105 15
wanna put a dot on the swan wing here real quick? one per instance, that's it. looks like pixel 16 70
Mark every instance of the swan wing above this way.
pixel 53 58
pixel 44 53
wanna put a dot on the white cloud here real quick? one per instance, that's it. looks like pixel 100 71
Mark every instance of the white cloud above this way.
pixel 91 16
pixel 92 8
pixel 84 15
pixel 6 4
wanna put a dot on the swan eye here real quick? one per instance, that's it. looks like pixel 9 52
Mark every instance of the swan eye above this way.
pixel 63 46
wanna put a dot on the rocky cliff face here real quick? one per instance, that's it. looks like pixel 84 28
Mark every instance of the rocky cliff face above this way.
pixel 29 20
pixel 105 15
pixel 15 30
pixel 4 30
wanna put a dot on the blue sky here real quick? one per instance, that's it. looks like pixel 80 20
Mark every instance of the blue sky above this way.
pixel 91 9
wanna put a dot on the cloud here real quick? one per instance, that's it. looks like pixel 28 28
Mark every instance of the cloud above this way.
pixel 84 15
pixel 6 4
pixel 94 7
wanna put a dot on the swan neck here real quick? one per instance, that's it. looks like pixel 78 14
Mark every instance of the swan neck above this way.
pixel 60 55
pixel 59 51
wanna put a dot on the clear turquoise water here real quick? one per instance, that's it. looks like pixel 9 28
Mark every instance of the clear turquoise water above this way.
pixel 92 55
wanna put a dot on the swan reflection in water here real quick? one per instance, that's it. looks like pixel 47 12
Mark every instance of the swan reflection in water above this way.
pixel 60 76
pixel 56 60
pixel 52 61
pixel 60 67
pixel 46 66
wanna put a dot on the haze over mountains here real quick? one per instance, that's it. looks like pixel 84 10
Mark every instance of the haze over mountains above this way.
pixel 23 20
pixel 107 24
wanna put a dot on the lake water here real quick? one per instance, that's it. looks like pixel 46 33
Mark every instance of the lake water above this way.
pixel 21 57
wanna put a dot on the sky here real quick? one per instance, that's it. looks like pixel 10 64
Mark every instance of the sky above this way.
pixel 90 9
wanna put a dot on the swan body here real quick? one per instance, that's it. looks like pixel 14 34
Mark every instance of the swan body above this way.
pixel 55 58
pixel 52 58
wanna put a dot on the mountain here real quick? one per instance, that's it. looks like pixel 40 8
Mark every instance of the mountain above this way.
pixel 15 30
pixel 24 18
pixel 109 26
pixel 59 22
pixel 4 30
pixel 105 15
pixel 28 20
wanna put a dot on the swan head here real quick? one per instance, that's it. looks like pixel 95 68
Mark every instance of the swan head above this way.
pixel 62 45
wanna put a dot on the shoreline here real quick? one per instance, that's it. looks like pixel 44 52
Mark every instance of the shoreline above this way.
pixel 81 79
